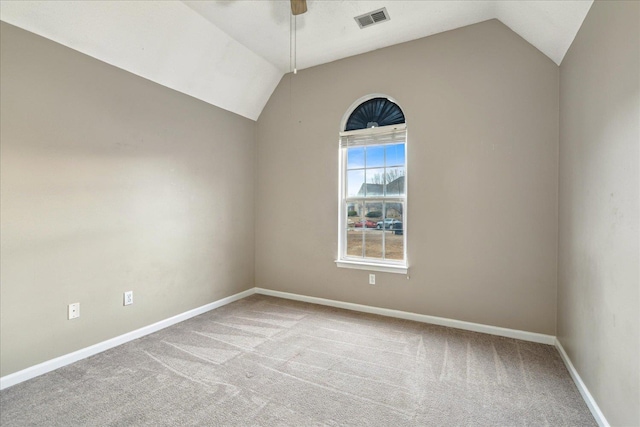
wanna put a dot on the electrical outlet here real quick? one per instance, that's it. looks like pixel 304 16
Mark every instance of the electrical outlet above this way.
pixel 74 310
pixel 128 298
pixel 372 279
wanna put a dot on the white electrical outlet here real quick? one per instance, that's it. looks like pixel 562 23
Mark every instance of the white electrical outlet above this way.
pixel 74 310
pixel 372 279
pixel 128 298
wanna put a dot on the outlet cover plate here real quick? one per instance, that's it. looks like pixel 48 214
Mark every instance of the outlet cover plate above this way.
pixel 128 298
pixel 74 310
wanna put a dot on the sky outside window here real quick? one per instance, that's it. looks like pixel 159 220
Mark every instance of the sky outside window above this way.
pixel 384 164
pixel 395 154
pixel 375 156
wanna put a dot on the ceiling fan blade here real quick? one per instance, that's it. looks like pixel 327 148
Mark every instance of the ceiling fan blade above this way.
pixel 298 7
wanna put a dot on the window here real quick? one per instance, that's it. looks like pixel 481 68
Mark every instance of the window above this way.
pixel 373 170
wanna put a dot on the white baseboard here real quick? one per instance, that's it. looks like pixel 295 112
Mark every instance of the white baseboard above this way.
pixel 582 388
pixel 67 359
pixel 442 321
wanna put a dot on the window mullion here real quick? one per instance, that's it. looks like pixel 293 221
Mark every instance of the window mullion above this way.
pixel 382 229
pixel 384 204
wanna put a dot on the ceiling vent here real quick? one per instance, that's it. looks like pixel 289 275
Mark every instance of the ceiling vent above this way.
pixel 371 18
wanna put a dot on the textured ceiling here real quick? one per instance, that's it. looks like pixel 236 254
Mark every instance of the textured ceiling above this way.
pixel 232 54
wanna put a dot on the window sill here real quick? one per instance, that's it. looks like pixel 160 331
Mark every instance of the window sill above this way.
pixel 361 265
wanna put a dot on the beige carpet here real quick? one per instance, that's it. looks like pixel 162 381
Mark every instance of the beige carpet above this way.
pixel 265 361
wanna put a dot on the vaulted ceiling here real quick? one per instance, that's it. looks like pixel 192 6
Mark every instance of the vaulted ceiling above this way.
pixel 232 54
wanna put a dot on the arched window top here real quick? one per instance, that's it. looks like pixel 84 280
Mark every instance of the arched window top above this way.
pixel 375 112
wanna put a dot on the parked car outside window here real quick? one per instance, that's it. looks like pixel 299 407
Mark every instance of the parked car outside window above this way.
pixel 397 228
pixel 366 223
pixel 387 223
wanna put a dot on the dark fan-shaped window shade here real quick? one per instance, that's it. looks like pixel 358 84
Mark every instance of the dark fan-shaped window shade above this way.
pixel 373 113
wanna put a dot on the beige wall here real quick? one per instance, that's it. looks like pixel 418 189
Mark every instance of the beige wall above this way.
pixel 112 183
pixel 482 113
pixel 599 286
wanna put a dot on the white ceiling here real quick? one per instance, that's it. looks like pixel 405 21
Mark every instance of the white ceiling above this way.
pixel 232 54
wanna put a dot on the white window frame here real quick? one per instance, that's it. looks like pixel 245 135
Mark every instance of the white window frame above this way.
pixel 371 264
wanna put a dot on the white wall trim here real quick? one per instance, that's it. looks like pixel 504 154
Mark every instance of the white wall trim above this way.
pixel 452 323
pixel 582 388
pixel 67 359
pixel 369 266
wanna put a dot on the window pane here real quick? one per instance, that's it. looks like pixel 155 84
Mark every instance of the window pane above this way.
pixel 375 182
pixel 372 235
pixel 355 214
pixel 395 155
pixel 354 242
pixel 394 238
pixel 355 157
pixel 394 211
pixel 355 183
pixel 394 245
pixel 375 156
pixel 373 243
pixel 372 213
pixel 395 181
